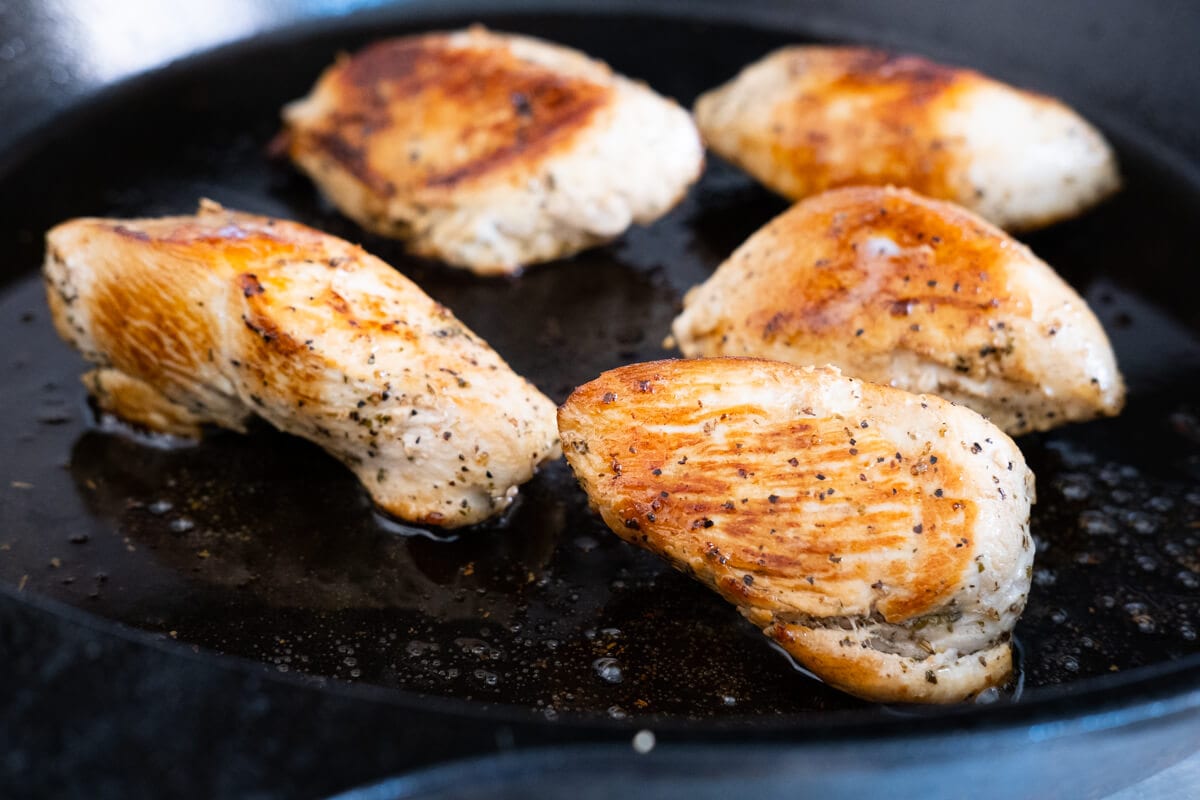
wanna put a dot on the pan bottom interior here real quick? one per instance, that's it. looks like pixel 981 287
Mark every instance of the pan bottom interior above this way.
pixel 261 546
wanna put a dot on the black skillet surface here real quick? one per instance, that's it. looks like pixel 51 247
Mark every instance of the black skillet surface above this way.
pixel 264 548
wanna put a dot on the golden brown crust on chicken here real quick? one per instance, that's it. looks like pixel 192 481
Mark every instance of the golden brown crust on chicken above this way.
pixel 225 315
pixel 140 404
pixel 491 151
pixel 880 537
pixel 496 109
pixel 807 119
pixel 898 289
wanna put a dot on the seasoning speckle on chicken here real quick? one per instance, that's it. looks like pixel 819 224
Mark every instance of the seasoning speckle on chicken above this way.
pixel 806 119
pixel 491 151
pixel 213 318
pixel 882 538
pixel 898 289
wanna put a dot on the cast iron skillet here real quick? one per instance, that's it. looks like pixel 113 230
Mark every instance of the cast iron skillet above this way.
pixel 543 623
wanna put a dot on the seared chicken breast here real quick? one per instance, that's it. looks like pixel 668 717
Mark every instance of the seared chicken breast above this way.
pixel 922 295
pixel 213 318
pixel 882 538
pixel 491 151
pixel 806 119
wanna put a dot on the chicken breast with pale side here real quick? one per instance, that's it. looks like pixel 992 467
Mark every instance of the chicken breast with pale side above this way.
pixel 491 151
pixel 806 119
pixel 880 537
pixel 214 318
pixel 898 289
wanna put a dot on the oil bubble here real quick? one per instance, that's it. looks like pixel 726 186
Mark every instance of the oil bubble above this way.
pixel 1097 524
pixel 608 669
pixel 181 525
pixel 1044 577
pixel 160 507
pixel 418 648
